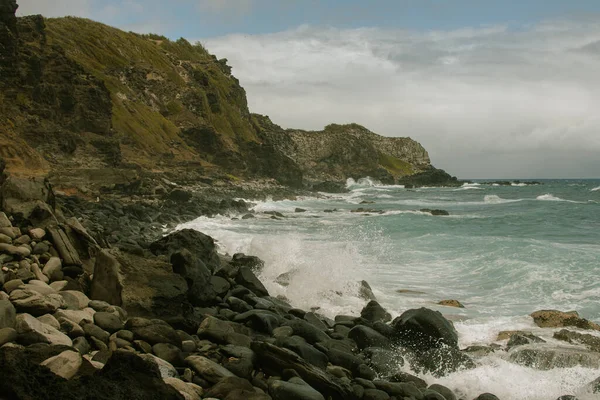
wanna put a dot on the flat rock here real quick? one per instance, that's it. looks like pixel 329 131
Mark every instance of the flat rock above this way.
pixel 34 303
pixel 207 369
pixel 557 319
pixel 65 364
pixel 31 330
pixel 451 303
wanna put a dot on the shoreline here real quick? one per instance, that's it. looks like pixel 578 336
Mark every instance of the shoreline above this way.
pixel 87 312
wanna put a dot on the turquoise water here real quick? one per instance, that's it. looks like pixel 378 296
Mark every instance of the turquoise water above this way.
pixel 504 252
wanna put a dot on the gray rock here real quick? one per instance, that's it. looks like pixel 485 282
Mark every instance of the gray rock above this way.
pixel 247 279
pixel 153 331
pixel 546 358
pixel 165 368
pixel 81 345
pixel 487 396
pixel 8 314
pixel 74 299
pixel 77 316
pixel 259 320
pixel 34 303
pixel 223 332
pixel 294 389
pixel 168 352
pixel 399 389
pixel 220 285
pixel 108 321
pixel 367 337
pixel 421 329
pixel 4 221
pixel 375 394
pixel 106 283
pixel 373 312
pixel 94 331
pixel 444 391
pixel 308 331
pixel 53 269
pixel 65 364
pixel 7 335
pixel 207 369
pixel 72 329
pixel 31 331
pixel 49 320
pixel 12 285
pixel 309 353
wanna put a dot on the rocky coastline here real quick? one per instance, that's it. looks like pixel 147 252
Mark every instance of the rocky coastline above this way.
pixel 87 312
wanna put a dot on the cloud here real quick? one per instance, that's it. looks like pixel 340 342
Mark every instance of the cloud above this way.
pixel 488 101
pixel 55 8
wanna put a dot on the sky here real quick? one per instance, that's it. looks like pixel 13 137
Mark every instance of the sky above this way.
pixel 492 89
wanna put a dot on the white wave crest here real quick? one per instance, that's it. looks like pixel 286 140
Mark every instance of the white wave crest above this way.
pixel 494 199
pixel 595 189
pixel 467 188
pixel 361 183
pixel 518 184
pixel 549 197
pixel 471 184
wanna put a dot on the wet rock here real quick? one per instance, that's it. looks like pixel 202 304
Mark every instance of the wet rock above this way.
pixel 310 354
pixel 523 339
pixel 308 331
pixel 259 320
pixel 422 329
pixel 373 312
pixel 591 341
pixel 375 394
pixel 441 361
pixel 247 279
pixel 434 211
pixel 384 361
pixel 365 292
pixel 557 319
pixel 451 303
pixel 399 389
pixel 545 358
pixel 65 364
pixel 444 391
pixel 273 359
pixel 365 337
pixel 220 285
pixel 487 396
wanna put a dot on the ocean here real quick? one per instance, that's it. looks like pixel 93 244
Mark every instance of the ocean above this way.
pixel 504 252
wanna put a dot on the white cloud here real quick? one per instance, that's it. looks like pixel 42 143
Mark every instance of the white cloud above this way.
pixel 511 101
pixel 55 8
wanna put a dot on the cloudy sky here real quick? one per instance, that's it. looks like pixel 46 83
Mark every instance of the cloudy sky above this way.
pixel 490 88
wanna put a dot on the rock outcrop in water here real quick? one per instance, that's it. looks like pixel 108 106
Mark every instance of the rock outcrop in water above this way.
pixel 94 118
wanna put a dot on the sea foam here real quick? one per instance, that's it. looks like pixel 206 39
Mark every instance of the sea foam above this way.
pixel 595 189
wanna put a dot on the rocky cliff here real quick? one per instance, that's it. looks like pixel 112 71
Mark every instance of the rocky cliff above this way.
pixel 342 151
pixel 92 106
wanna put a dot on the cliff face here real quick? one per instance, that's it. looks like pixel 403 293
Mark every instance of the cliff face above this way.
pixel 342 151
pixel 80 100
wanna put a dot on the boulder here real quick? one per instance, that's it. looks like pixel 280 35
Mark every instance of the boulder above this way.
pixel 106 283
pixel 53 269
pixel 365 292
pixel 557 319
pixel 153 331
pixel 200 245
pixel 227 385
pixel 189 390
pixel 8 314
pixel 365 337
pixel 223 332
pixel 423 329
pixel 294 389
pixel 7 335
pixel 108 321
pixel 63 245
pixel 247 279
pixel 549 357
pixel 451 303
pixel 308 352
pixel 308 331
pixel 165 368
pixel 373 312
pixel 260 320
pixel 196 274
pixel 32 302
pixel 30 331
pixel 591 341
pixel 207 369
pixel 273 360
pixel 29 200
pixel 65 364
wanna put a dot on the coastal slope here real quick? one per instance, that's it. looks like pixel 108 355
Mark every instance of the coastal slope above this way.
pixel 82 101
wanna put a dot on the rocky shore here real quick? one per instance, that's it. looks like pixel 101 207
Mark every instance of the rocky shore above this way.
pixel 97 303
